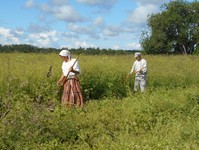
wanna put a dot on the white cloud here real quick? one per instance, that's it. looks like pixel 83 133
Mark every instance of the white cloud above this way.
pixel 4 31
pixel 116 47
pixel 139 15
pixel 134 46
pixel 36 28
pixel 59 2
pixel 6 37
pixel 100 3
pixel 137 19
pixel 60 9
pixel 69 35
pixel 80 29
pixel 95 36
pixel 45 8
pixel 99 21
pixel 111 31
pixel 83 44
pixel 152 2
pixel 66 13
pixel 45 39
pixel 29 3
pixel 19 32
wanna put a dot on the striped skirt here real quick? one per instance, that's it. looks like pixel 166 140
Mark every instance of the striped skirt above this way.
pixel 72 94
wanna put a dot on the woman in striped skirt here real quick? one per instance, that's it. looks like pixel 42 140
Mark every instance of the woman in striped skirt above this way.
pixel 72 94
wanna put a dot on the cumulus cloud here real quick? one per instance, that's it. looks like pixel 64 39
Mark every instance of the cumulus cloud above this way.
pixel 7 37
pixel 36 28
pixel 69 35
pixel 83 44
pixel 139 15
pixel 66 13
pixel 83 30
pixel 80 29
pixel 18 32
pixel 134 46
pixel 29 3
pixel 45 8
pixel 95 36
pixel 112 31
pixel 116 47
pixel 58 9
pixel 152 2
pixel 99 21
pixel 44 39
pixel 99 3
pixel 59 2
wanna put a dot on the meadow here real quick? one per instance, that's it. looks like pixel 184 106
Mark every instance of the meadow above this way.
pixel 165 117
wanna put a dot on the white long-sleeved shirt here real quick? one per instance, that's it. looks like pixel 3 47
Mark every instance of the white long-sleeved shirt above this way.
pixel 137 65
pixel 67 65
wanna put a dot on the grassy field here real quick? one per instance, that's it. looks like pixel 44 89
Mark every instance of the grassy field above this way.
pixel 114 118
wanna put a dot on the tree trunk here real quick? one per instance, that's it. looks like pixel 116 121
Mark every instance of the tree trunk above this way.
pixel 183 49
pixel 192 47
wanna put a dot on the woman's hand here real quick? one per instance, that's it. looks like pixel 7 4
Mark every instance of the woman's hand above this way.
pixel 71 69
pixel 74 71
pixel 59 83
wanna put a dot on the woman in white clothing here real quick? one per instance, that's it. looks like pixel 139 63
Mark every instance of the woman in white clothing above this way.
pixel 72 94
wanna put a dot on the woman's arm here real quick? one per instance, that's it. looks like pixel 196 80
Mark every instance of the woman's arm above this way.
pixel 60 81
pixel 75 68
pixel 74 71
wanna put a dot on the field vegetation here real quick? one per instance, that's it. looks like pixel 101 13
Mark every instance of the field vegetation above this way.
pixel 114 117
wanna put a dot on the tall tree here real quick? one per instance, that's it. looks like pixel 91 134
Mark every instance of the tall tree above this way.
pixel 174 30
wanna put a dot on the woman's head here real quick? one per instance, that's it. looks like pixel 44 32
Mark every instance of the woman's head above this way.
pixel 65 55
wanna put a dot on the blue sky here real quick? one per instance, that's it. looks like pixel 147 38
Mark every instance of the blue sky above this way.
pixel 115 24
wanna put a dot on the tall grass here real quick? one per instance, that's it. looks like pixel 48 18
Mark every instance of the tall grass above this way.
pixel 164 117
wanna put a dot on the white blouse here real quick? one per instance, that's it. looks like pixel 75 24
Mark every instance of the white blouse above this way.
pixel 67 65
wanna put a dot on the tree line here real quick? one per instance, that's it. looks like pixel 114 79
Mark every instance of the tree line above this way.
pixel 25 48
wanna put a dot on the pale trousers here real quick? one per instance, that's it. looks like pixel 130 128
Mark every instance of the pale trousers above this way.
pixel 140 83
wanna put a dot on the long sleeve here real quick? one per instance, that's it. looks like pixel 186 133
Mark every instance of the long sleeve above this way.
pixel 133 68
pixel 144 66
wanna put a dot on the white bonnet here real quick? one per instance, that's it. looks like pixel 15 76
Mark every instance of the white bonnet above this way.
pixel 65 53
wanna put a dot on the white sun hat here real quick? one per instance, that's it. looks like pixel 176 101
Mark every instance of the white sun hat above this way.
pixel 137 54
